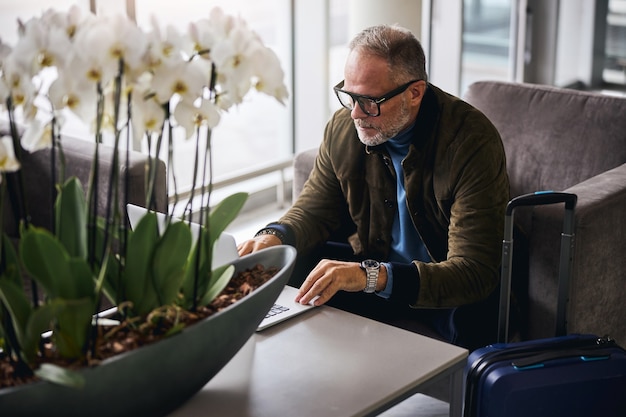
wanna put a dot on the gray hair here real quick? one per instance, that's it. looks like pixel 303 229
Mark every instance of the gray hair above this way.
pixel 398 46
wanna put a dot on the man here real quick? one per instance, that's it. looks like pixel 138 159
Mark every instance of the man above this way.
pixel 422 177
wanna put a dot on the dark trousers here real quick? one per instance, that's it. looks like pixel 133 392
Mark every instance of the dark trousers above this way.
pixel 469 326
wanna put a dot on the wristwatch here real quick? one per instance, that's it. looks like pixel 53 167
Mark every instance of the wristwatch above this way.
pixel 371 268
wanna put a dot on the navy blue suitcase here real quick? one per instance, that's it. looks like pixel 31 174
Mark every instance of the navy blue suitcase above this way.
pixel 567 375
pixel 575 375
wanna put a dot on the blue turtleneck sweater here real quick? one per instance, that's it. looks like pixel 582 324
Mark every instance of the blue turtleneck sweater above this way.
pixel 406 244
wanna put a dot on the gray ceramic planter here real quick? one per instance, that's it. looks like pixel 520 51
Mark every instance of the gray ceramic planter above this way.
pixel 156 379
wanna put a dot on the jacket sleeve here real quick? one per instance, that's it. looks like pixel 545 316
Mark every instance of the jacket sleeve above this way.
pixel 313 216
pixel 473 191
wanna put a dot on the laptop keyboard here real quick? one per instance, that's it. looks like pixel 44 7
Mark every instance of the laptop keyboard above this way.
pixel 276 309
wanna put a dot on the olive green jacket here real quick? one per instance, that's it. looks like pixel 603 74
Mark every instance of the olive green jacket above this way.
pixel 456 186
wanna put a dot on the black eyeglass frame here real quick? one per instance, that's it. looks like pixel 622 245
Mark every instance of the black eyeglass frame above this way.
pixel 376 100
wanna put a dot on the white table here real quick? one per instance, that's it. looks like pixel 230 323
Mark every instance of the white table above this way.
pixel 327 362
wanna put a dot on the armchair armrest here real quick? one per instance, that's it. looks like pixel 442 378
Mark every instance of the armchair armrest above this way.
pixel 598 285
pixel 598 294
pixel 302 166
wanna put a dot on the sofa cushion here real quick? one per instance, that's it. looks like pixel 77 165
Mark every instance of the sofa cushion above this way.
pixel 554 138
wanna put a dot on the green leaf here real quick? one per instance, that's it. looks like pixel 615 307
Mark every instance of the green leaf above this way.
pixel 170 257
pixel 111 286
pixel 71 218
pixel 58 375
pixel 44 258
pixel 99 241
pixel 177 328
pixel 40 320
pixel 216 274
pixel 224 213
pixel 47 260
pixel 81 283
pixel 220 217
pixel 219 284
pixel 73 326
pixel 16 302
pixel 12 270
pixel 197 267
pixel 137 279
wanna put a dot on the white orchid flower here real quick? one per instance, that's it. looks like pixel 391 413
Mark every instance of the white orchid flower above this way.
pixel 109 109
pixel 225 100
pixel 165 45
pixel 4 92
pixel 233 53
pixel 202 36
pixel 5 50
pixel 37 135
pixel 74 93
pixel 183 78
pixel 236 60
pixel 69 21
pixel 232 90
pixel 270 76
pixel 18 82
pixel 190 116
pixel 205 33
pixel 147 117
pixel 101 46
pixel 8 161
pixel 41 46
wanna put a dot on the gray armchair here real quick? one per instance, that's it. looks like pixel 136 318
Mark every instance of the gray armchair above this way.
pixel 563 140
pixel 79 157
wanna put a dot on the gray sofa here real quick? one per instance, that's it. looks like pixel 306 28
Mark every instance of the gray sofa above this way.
pixel 564 140
pixel 79 156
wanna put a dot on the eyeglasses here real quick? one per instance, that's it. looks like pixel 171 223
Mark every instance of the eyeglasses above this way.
pixel 369 105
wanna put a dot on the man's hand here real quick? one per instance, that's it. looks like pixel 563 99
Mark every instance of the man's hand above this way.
pixel 330 276
pixel 257 243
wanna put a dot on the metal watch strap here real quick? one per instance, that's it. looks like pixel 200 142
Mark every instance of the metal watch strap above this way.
pixel 270 231
pixel 372 268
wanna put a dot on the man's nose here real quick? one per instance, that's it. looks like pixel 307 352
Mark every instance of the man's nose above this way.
pixel 357 112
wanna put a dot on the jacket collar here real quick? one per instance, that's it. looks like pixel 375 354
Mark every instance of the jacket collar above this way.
pixel 424 124
pixel 426 118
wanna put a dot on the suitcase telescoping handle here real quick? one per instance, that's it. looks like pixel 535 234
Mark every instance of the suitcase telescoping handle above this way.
pixel 567 242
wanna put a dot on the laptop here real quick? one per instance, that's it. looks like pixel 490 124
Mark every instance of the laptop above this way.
pixel 284 308
pixel 224 252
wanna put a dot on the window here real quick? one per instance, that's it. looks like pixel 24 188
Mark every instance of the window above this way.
pixel 486 41
pixel 255 135
pixel 615 55
pixel 338 29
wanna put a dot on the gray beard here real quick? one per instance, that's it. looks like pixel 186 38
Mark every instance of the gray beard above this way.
pixel 385 132
pixel 376 140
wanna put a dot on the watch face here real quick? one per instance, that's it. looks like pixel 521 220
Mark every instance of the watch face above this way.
pixel 370 263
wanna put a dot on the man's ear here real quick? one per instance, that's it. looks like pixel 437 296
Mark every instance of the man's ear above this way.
pixel 417 90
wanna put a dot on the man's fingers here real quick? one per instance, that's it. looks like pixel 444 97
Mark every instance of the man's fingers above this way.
pixel 319 286
pixel 256 244
pixel 304 289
